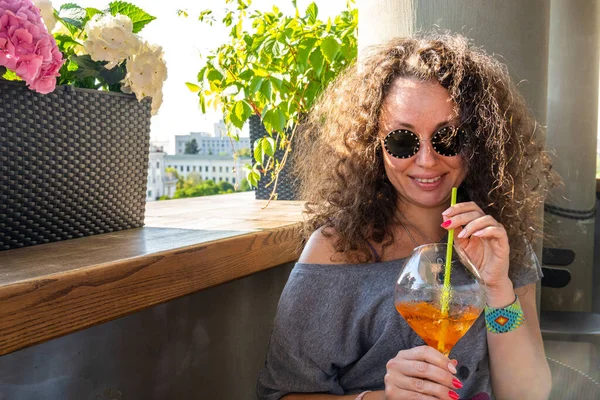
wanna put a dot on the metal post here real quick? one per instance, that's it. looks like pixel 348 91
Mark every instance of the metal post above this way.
pixel 572 134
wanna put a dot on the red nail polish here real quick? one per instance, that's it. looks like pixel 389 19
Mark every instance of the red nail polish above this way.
pixel 453 395
pixel 447 223
pixel 456 383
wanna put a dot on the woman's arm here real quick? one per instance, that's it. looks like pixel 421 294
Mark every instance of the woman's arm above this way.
pixel 369 396
pixel 518 363
pixel 517 359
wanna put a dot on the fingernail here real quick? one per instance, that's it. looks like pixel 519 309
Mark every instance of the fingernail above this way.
pixel 448 211
pixel 451 368
pixel 447 223
pixel 453 395
pixel 455 362
pixel 462 234
pixel 456 383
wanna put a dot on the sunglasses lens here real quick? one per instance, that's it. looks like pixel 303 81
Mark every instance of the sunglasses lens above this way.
pixel 447 141
pixel 402 144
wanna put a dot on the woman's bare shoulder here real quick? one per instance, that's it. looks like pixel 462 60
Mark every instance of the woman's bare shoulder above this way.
pixel 320 248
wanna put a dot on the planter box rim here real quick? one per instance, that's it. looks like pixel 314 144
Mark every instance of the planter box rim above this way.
pixel 71 88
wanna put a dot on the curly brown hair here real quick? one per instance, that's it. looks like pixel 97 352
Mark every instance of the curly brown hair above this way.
pixel 341 173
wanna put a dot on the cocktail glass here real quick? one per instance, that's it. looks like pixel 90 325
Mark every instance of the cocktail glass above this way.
pixel 419 295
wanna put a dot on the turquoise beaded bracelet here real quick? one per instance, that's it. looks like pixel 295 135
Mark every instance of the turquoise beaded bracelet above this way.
pixel 502 320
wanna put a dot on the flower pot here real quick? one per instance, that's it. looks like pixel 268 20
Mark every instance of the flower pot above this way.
pixel 286 184
pixel 73 163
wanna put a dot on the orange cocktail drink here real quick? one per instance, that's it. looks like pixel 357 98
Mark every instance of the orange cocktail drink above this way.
pixel 438 331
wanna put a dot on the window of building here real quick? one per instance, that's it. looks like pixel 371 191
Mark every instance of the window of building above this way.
pixel 214 169
pixel 181 168
pixel 220 178
pixel 149 193
pixel 232 180
pixel 226 179
pixel 158 164
pixel 214 179
pixel 188 169
pixel 226 169
pixel 220 169
pixel 206 169
pixel 194 168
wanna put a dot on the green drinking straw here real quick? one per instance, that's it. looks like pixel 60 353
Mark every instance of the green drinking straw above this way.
pixel 447 271
pixel 446 291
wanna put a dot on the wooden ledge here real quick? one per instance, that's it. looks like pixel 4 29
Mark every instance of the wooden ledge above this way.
pixel 187 245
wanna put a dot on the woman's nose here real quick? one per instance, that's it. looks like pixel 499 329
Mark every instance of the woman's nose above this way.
pixel 426 156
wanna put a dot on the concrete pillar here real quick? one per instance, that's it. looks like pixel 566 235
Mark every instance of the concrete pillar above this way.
pixel 515 31
pixel 572 134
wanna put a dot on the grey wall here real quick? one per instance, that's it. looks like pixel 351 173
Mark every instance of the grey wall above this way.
pixel 208 345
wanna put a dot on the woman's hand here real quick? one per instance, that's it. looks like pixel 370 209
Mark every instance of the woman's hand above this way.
pixel 421 371
pixel 483 239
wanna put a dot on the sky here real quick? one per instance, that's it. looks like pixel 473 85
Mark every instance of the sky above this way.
pixel 183 41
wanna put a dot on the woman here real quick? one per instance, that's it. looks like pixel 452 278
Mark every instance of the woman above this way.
pixel 379 155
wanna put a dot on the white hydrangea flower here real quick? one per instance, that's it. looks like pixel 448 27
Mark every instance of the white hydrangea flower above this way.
pixel 110 38
pixel 47 12
pixel 146 72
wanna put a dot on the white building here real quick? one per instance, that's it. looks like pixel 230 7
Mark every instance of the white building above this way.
pixel 159 183
pixel 215 168
pixel 211 145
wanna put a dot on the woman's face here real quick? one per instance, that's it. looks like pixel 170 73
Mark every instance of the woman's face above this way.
pixel 425 179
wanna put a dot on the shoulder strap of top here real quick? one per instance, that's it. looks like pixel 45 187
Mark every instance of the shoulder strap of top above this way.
pixel 375 254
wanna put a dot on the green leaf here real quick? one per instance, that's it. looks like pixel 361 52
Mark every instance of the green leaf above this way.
pixel 214 75
pixel 72 17
pixel 304 50
pixel 139 17
pixel 66 40
pixel 114 75
pixel 241 112
pixel 90 12
pixel 276 81
pixel 312 11
pixel 317 61
pixel 253 178
pixel 71 66
pixel 330 48
pixel 274 120
pixel 268 146
pixel 87 68
pixel 202 103
pixel 311 93
pixel 10 76
pixel 192 87
pixel 266 90
pixel 246 75
pixel 259 155
pixel 255 85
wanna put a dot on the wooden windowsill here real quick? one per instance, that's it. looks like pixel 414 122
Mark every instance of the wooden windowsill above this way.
pixel 51 290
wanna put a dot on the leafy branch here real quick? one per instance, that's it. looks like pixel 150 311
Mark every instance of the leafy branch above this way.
pixel 274 70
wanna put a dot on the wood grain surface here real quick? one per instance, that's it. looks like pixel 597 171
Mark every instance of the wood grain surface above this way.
pixel 187 245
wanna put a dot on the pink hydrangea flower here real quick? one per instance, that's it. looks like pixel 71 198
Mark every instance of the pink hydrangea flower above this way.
pixel 26 47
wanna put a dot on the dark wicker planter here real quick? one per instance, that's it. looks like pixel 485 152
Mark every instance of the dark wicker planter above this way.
pixel 286 184
pixel 73 163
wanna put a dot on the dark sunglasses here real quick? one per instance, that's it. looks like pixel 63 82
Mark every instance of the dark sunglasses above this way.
pixel 402 143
